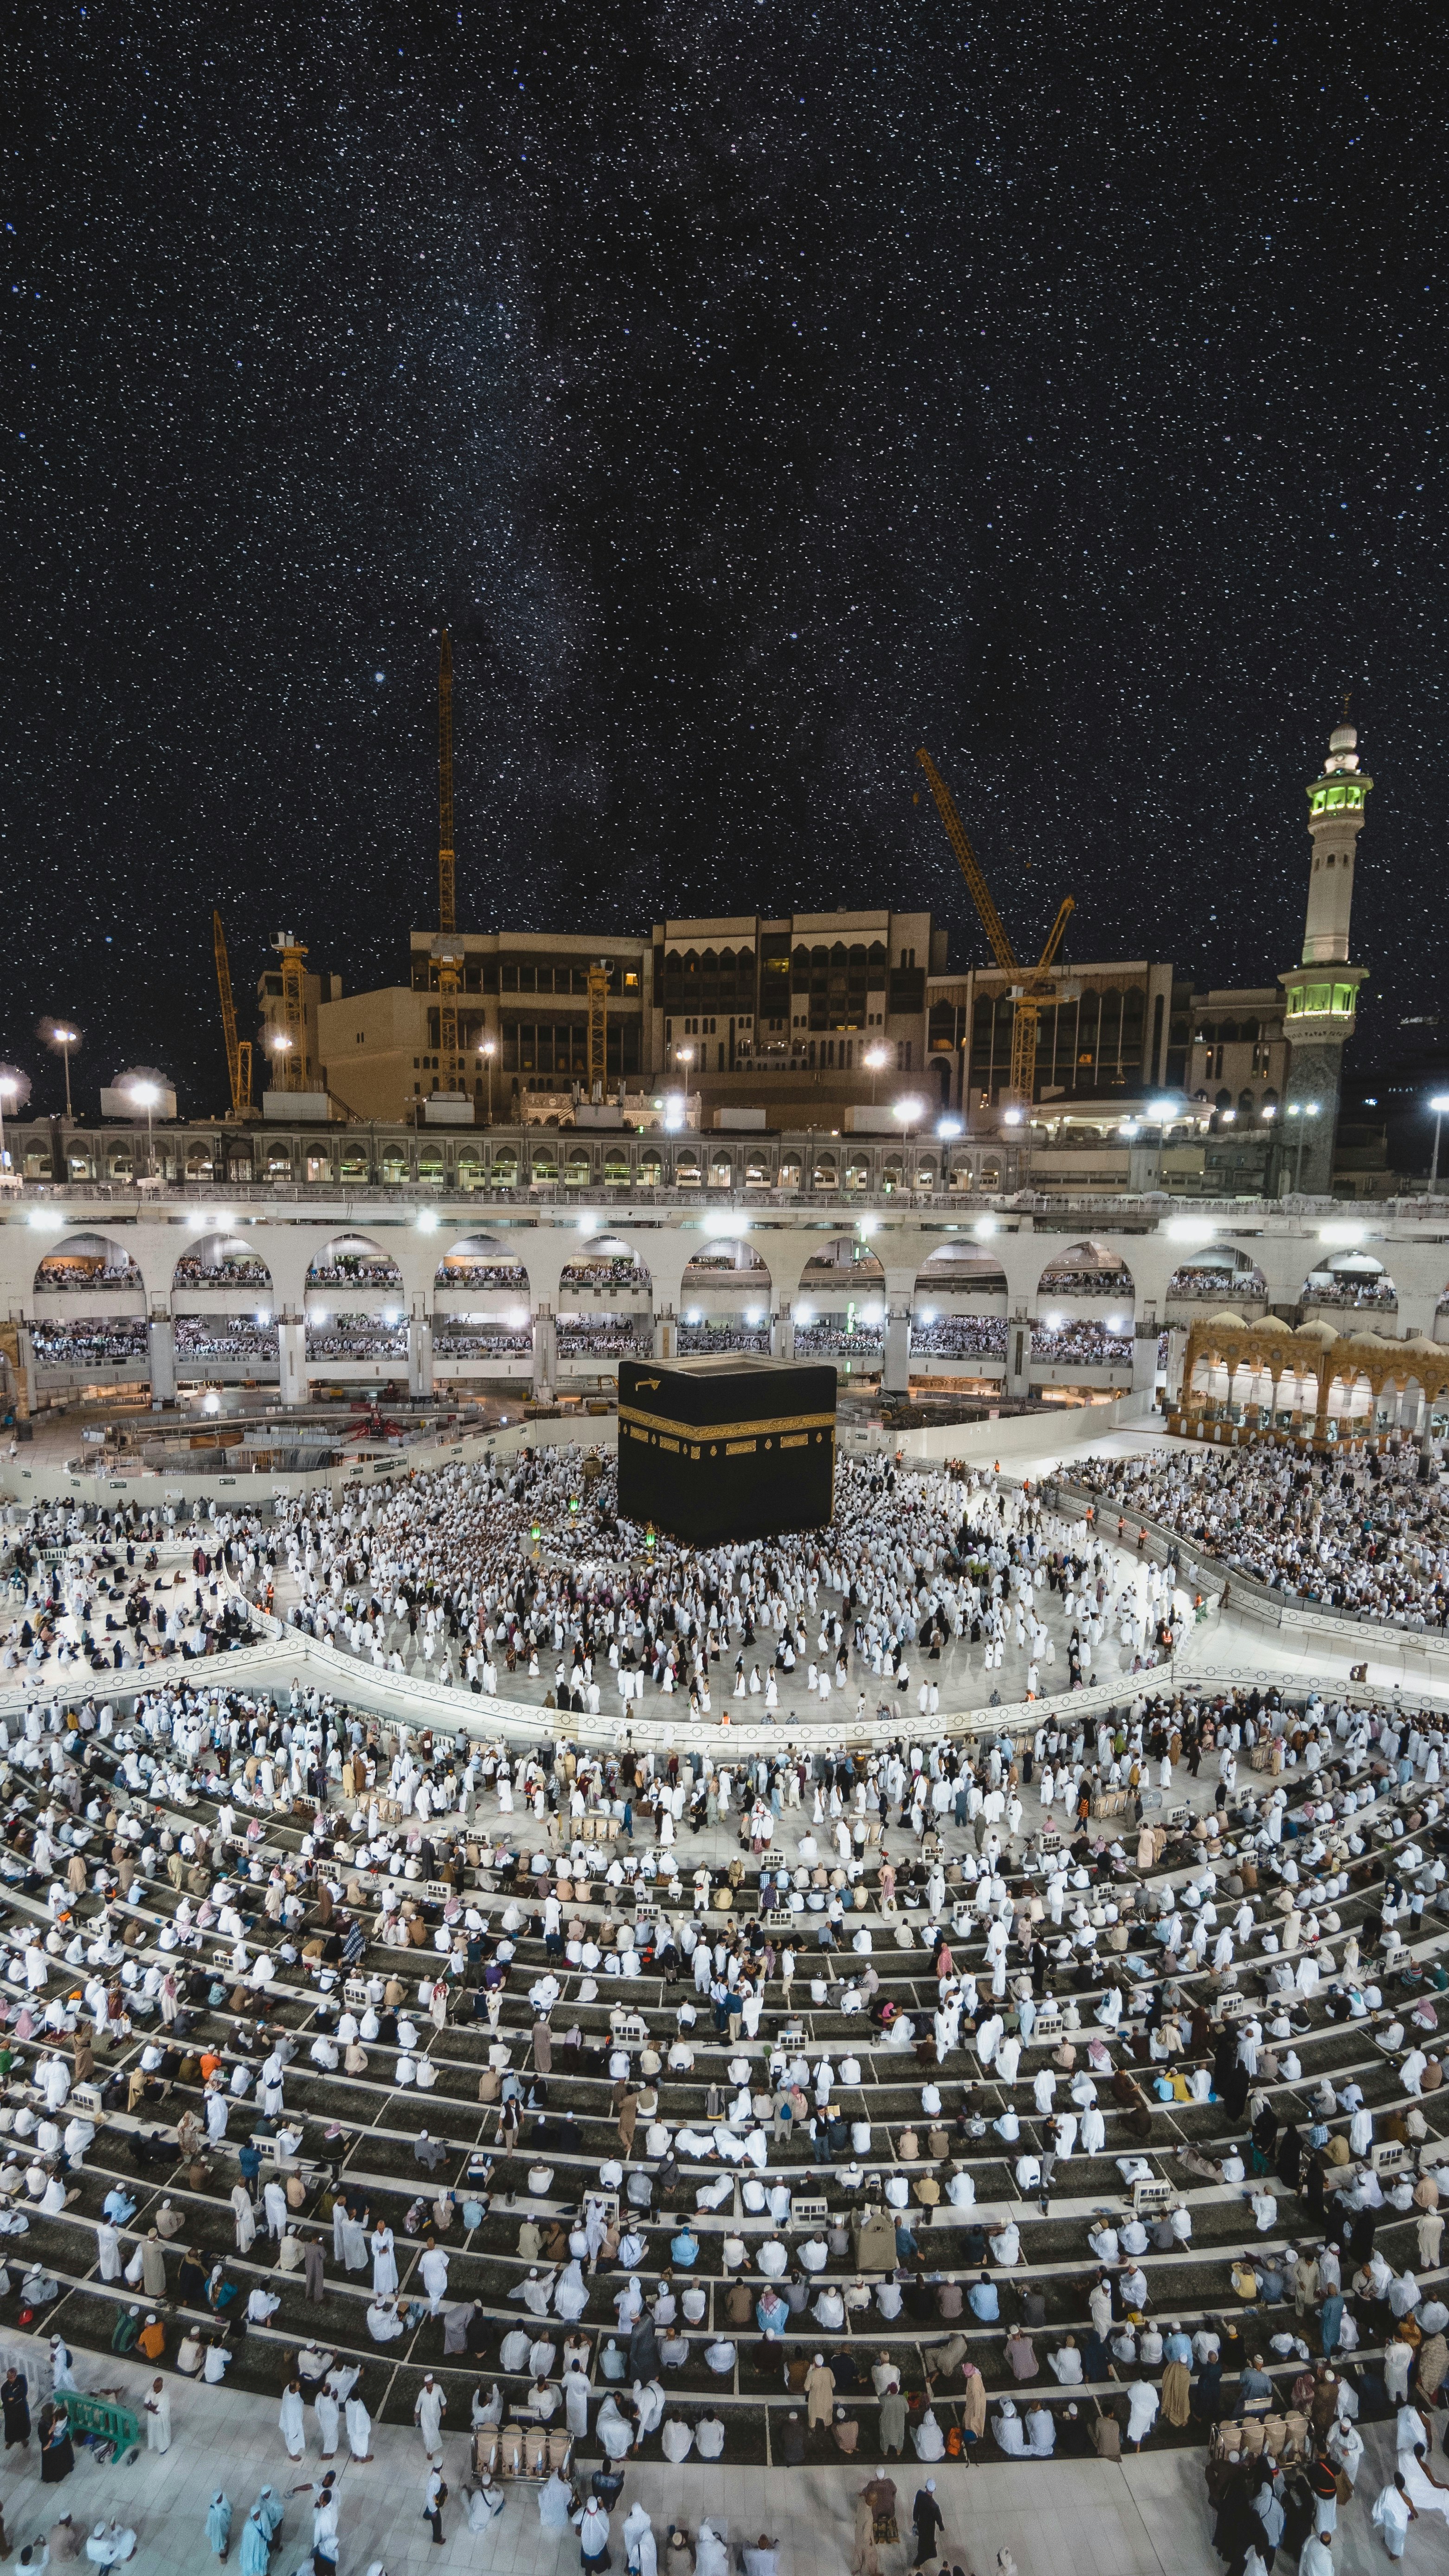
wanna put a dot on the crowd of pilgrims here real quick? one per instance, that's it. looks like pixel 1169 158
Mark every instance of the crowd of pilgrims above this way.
pixel 99 1342
pixel 117 1811
pixel 220 1337
pixel 1353 1532
pixel 1091 1343
pixel 1058 1282
pixel 105 1603
pixel 489 1575
pixel 960 1336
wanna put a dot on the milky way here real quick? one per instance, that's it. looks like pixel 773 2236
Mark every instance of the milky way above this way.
pixel 755 394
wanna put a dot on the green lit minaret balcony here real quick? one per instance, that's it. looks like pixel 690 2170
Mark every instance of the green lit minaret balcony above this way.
pixel 1326 1002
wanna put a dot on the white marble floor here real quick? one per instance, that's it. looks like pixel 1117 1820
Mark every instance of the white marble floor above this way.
pixel 1147 2516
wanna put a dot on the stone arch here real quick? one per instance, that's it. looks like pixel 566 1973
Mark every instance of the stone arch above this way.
pixel 1353 1279
pixel 481 1261
pixel 842 1265
pixel 352 1261
pixel 222 1261
pixel 606 1260
pixel 97 1263
pixel 1351 1398
pixel 726 1258
pixel 1218 1270
pixel 961 1269
pixel 1087 1269
pixel 730 1275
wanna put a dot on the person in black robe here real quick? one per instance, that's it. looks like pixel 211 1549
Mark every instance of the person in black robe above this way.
pixel 1289 2162
pixel 15 2406
pixel 57 2458
pixel 1265 2139
pixel 1207 2395
pixel 1299 2515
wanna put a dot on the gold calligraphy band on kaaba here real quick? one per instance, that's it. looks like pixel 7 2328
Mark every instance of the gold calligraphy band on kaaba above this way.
pixel 717 1431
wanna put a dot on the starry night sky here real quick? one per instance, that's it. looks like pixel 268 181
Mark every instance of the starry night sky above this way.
pixel 755 393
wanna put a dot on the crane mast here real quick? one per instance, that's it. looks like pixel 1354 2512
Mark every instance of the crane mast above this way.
pixel 598 1028
pixel 447 919
pixel 238 1050
pixel 1036 985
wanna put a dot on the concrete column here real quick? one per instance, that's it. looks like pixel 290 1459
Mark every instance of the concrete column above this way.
pixel 1018 1354
pixel 895 1375
pixel 1176 1354
pixel 27 1389
pixel 666 1334
pixel 1144 1355
pixel 1315 1071
pixel 292 1360
pixel 782 1333
pixel 420 1355
pixel 545 1351
pixel 161 1335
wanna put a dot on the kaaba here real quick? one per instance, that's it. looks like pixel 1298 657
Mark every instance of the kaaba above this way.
pixel 726 1448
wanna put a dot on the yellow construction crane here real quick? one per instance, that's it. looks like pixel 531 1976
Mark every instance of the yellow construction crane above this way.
pixel 1036 985
pixel 238 1050
pixel 598 1028
pixel 448 959
pixel 447 917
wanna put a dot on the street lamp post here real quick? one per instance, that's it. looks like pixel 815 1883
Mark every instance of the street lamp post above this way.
pixel 146 1095
pixel 1438 1104
pixel 876 1058
pixel 908 1114
pixel 65 1039
pixel 488 1048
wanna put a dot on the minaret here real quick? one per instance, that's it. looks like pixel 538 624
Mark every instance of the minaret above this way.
pixel 1321 994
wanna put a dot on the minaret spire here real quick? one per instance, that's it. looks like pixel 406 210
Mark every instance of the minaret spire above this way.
pixel 446 907
pixel 1321 992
